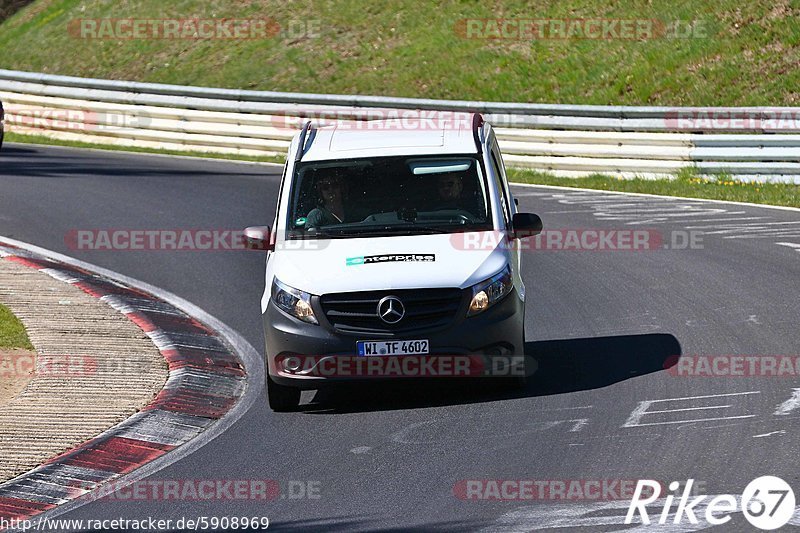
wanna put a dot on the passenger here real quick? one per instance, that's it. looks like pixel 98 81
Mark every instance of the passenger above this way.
pixel 450 187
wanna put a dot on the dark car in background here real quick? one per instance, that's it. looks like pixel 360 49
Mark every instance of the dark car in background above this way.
pixel 2 124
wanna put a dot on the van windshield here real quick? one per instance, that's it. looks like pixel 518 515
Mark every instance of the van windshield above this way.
pixel 388 196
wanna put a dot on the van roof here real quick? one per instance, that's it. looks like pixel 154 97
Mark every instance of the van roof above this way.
pixel 431 134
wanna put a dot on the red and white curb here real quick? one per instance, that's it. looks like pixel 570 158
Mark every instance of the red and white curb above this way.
pixel 207 381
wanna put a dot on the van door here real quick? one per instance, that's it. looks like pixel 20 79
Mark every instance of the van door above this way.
pixel 497 168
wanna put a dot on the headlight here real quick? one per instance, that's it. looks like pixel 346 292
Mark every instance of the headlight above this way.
pixel 295 302
pixel 487 293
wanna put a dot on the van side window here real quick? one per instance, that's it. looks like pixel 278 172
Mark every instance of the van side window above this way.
pixel 280 195
pixel 499 161
pixel 498 179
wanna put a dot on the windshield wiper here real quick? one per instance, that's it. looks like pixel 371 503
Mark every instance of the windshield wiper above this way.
pixel 381 230
pixel 388 231
pixel 452 228
pixel 316 234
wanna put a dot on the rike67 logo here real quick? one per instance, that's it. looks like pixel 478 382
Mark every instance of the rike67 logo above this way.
pixel 768 503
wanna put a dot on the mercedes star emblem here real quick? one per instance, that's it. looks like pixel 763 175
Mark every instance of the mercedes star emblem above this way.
pixel 391 309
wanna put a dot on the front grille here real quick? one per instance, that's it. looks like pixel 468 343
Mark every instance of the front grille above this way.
pixel 357 312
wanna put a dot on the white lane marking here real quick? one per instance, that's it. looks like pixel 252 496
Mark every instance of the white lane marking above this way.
pixel 793 245
pixel 567 408
pixel 783 233
pixel 795 521
pixel 403 436
pixel 645 195
pixel 712 419
pixel 546 515
pixel 757 226
pixel 764 423
pixel 779 432
pixel 360 450
pixel 642 410
pixel 789 405
pixel 407 435
pixel 635 207
pixel 708 396
pixel 732 219
pixel 712 223
pixel 529 193
pixel 579 424
pixel 574 515
pixel 568 212
pixel 665 210
pixel 643 211
pixel 769 229
pixel 580 198
pixel 722 221
pixel 657 216
pixel 689 409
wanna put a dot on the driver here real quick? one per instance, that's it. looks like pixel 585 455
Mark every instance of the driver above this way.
pixel 330 209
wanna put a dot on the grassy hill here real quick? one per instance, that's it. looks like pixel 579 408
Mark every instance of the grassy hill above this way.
pixel 741 53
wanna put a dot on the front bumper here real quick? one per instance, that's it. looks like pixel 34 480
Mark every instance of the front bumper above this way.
pixel 498 330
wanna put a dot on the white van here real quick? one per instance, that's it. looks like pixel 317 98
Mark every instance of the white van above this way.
pixel 390 244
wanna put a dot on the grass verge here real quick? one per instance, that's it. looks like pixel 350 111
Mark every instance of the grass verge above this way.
pixel 687 183
pixel 12 332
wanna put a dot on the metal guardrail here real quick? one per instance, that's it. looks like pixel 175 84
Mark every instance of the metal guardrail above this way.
pixel 751 143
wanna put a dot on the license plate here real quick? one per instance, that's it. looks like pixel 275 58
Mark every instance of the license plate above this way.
pixel 415 347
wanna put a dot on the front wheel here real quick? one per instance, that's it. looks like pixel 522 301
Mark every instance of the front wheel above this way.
pixel 282 398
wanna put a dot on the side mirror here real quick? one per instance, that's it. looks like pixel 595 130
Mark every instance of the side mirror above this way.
pixel 258 238
pixel 526 225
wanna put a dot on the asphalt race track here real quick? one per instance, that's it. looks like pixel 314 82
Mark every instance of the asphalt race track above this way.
pixel 602 325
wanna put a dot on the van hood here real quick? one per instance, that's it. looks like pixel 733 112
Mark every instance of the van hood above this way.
pixel 403 262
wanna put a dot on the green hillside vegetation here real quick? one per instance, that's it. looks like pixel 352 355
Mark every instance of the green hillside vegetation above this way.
pixel 723 52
